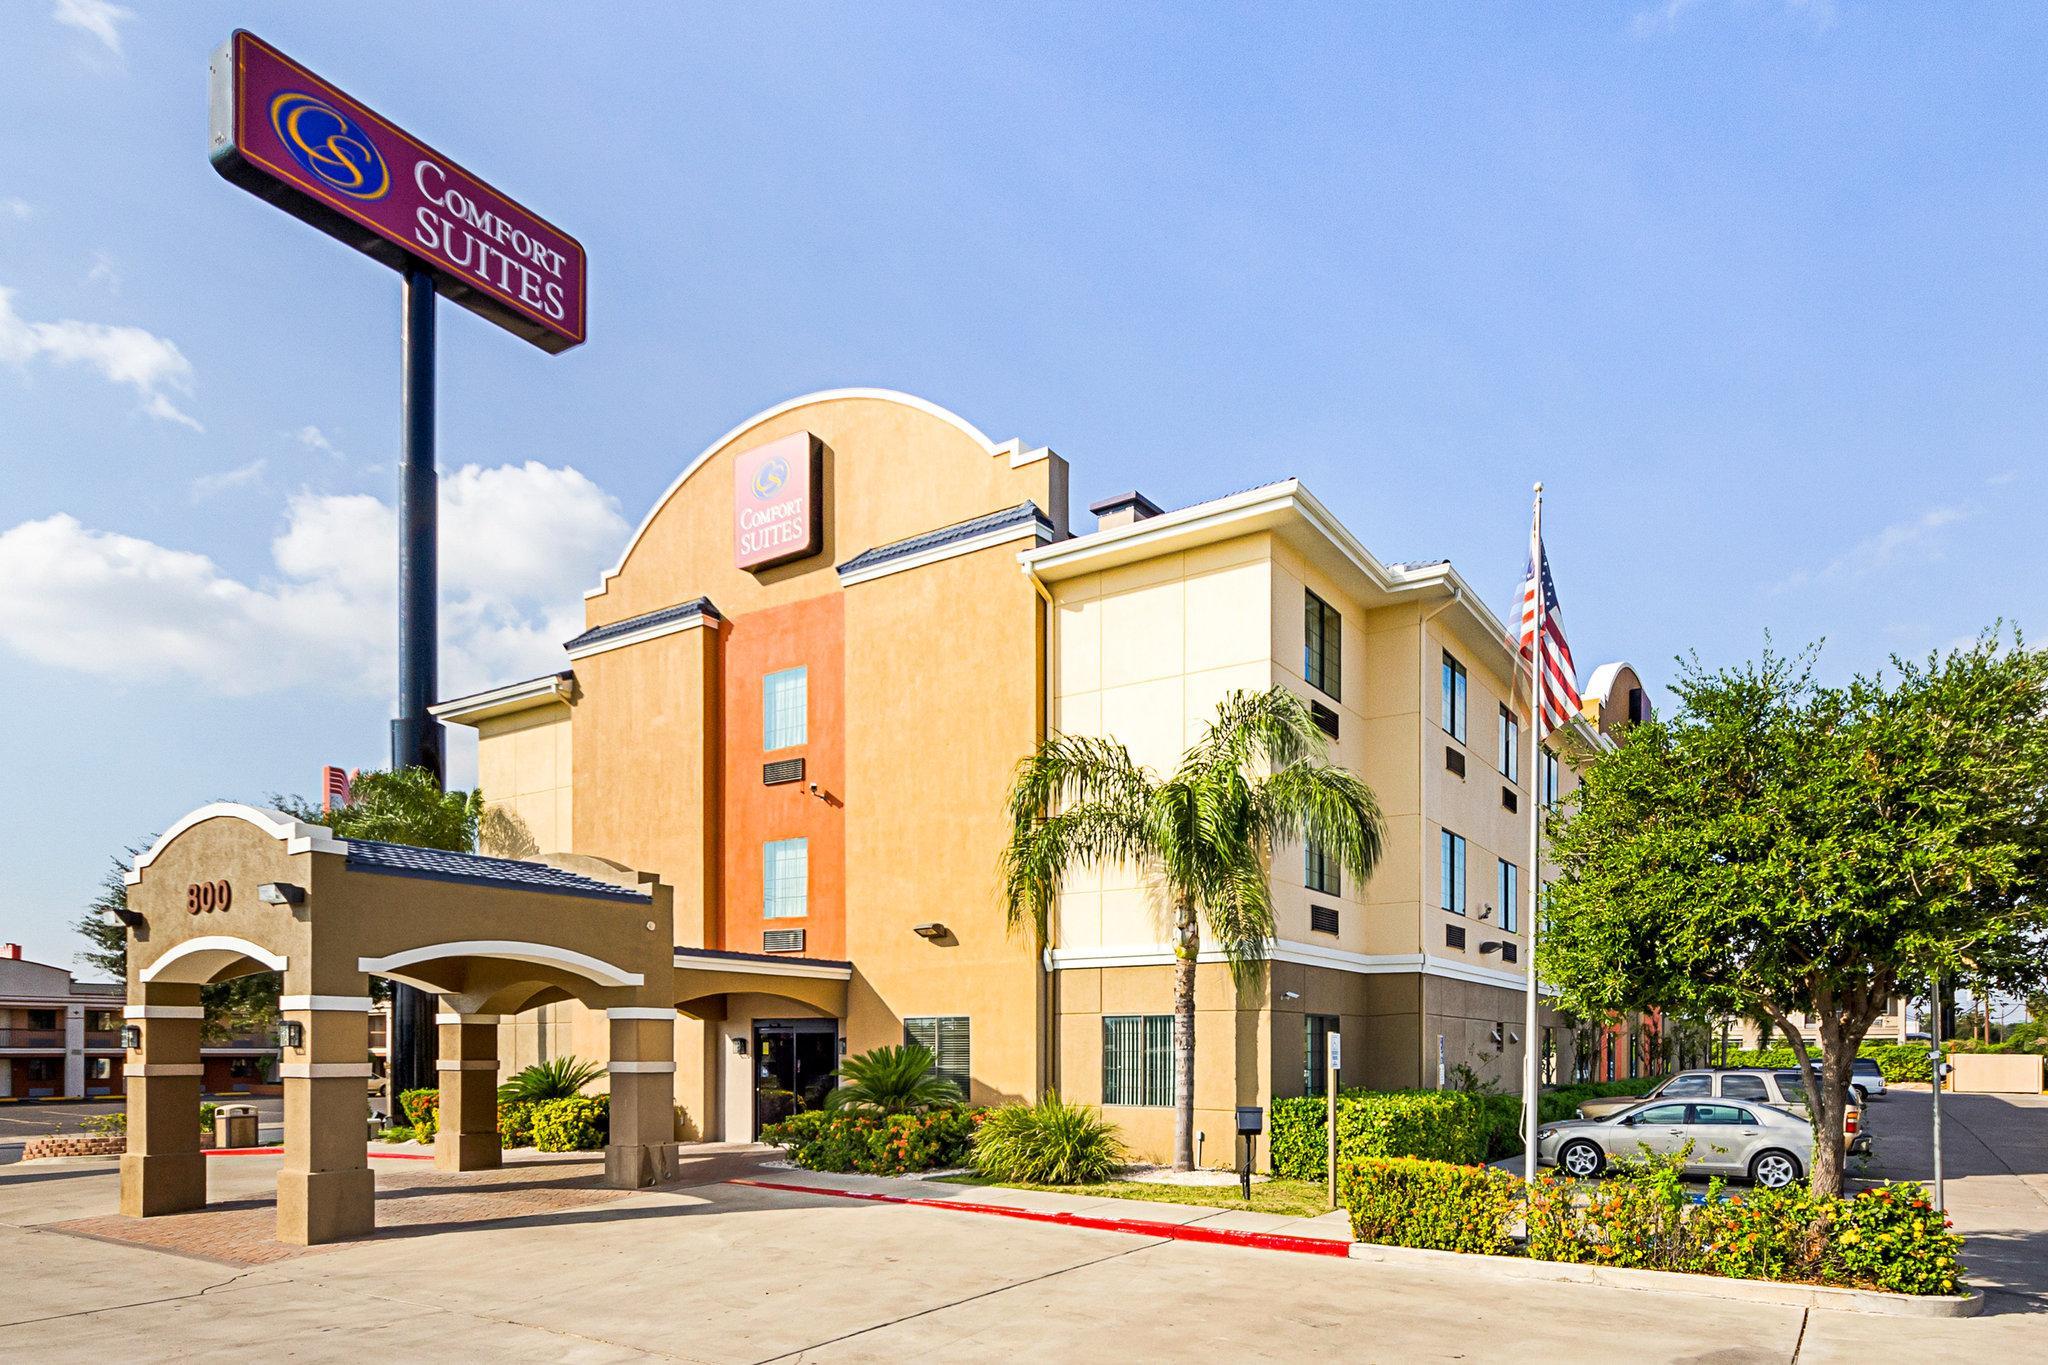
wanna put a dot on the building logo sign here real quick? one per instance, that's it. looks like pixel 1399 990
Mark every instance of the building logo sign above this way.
pixel 777 502
pixel 298 141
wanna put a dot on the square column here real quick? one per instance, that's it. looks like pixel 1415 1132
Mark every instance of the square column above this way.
pixel 74 1050
pixel 163 1170
pixel 466 1136
pixel 325 1193
pixel 642 1148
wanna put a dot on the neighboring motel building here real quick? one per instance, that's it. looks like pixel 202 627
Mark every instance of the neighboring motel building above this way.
pixel 61 1038
pixel 804 689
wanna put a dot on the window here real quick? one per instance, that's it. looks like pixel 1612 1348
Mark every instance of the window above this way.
pixel 1688 1085
pixel 1547 780
pixel 1662 1113
pixel 1454 698
pixel 41 1019
pixel 1315 1065
pixel 1137 1059
pixel 1507 890
pixel 1451 883
pixel 103 1021
pixel 1320 871
pixel 99 1068
pixel 785 878
pixel 1510 746
pixel 947 1037
pixel 1635 1061
pixel 783 697
pixel 1322 649
pixel 1744 1088
pixel 1609 1047
pixel 1721 1113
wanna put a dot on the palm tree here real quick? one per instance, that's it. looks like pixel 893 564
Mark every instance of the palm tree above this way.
pixel 558 1078
pixel 1203 835
pixel 892 1080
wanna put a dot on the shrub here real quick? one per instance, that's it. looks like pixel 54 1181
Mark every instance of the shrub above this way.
pixel 1431 1204
pixel 895 1144
pixel 580 1123
pixel 397 1133
pixel 109 1125
pixel 515 1123
pixel 416 1105
pixel 555 1079
pixel 1637 1217
pixel 1047 1143
pixel 206 1112
pixel 1437 1125
pixel 1897 1061
pixel 892 1080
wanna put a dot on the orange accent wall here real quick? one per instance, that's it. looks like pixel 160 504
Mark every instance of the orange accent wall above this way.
pixel 810 633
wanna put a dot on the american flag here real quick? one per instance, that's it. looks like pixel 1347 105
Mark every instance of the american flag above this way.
pixel 1559 690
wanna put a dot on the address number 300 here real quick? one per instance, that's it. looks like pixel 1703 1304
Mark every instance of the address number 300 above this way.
pixel 207 896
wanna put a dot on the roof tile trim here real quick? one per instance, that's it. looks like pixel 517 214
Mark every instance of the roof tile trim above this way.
pixel 405 860
pixel 1024 514
pixel 685 611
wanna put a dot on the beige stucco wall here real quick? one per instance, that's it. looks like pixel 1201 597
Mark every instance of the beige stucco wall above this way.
pixel 525 767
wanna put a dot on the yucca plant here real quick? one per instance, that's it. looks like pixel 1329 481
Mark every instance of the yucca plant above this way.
pixel 1047 1143
pixel 892 1080
pixel 558 1078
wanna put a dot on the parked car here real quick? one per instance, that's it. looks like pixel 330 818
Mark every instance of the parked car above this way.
pixel 1768 1145
pixel 1866 1082
pixel 1752 1085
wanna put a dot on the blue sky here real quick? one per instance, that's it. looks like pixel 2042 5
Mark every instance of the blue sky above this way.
pixel 1753 286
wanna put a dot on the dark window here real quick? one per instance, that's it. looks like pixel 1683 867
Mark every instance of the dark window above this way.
pixel 1638 707
pixel 1510 738
pixel 1315 1064
pixel 1320 872
pixel 1744 1088
pixel 946 1035
pixel 1137 1060
pixel 1721 1113
pixel 1322 919
pixel 42 1019
pixel 1453 713
pixel 1322 654
pixel 1546 791
pixel 1509 801
pixel 1679 1086
pixel 1451 873
pixel 1662 1113
pixel 1507 890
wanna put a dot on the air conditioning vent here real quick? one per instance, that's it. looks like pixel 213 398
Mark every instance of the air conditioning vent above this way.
pixel 1509 801
pixel 1454 936
pixel 782 941
pixel 782 770
pixel 1454 760
pixel 1324 717
pixel 1322 919
pixel 1509 952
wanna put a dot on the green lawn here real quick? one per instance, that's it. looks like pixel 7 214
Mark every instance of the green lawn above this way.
pixel 1295 1198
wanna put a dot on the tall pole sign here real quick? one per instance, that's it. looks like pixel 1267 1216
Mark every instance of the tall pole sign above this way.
pixel 297 141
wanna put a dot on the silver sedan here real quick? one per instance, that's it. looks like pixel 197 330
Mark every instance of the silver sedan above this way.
pixel 1756 1141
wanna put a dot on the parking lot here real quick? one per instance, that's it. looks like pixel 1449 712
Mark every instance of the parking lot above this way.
pixel 20 1122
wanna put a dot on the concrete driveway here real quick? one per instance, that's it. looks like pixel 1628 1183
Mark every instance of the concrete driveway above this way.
pixel 706 1270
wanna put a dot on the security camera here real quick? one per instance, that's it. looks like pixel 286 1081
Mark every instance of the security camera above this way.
pixel 814 789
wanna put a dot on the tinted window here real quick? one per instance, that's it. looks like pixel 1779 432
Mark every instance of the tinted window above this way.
pixel 1744 1088
pixel 1662 1113
pixel 1721 1113
pixel 1864 1066
pixel 1793 1087
pixel 1696 1083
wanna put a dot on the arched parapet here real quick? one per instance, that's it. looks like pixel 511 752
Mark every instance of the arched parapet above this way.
pixel 296 835
pixel 202 961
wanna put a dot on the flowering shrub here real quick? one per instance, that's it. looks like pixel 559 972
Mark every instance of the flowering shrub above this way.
pixel 829 1140
pixel 515 1123
pixel 422 1109
pixel 1636 1217
pixel 1432 1204
pixel 1437 1125
pixel 580 1123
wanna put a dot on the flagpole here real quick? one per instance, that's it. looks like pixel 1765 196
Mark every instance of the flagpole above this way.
pixel 1531 1045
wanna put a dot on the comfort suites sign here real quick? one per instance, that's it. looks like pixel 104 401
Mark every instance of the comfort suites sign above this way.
pixel 291 138
pixel 777 503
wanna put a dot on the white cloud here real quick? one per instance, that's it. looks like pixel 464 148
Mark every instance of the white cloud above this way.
pixel 2002 478
pixel 1919 538
pixel 104 272
pixel 518 544
pixel 17 208
pixel 206 485
pixel 312 438
pixel 144 361
pixel 101 18
pixel 1664 17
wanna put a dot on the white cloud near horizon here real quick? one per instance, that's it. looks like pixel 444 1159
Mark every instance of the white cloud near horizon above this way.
pixel 104 272
pixel 1918 537
pixel 312 438
pixel 206 485
pixel 1665 16
pixel 519 544
pixel 17 208
pixel 145 362
pixel 101 18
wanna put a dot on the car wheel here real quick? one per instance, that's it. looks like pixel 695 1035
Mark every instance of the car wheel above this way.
pixel 1581 1159
pixel 1774 1170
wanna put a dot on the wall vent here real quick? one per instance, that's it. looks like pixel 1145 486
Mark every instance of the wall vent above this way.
pixel 1509 952
pixel 1454 760
pixel 782 940
pixel 782 770
pixel 1324 717
pixel 1322 919
pixel 1509 801
pixel 1454 936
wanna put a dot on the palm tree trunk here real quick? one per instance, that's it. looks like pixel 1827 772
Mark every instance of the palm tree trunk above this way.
pixel 1186 951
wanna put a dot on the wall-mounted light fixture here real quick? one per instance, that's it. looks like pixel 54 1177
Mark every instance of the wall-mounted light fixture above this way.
pixel 842 1045
pixel 1491 945
pixel 131 1037
pixel 132 918
pixel 930 931
pixel 280 893
pixel 291 1034
pixel 739 1045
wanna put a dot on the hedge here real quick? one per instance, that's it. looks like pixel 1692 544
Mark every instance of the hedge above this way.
pixel 1898 1061
pixel 1889 1238
pixel 580 1123
pixel 1441 1125
pixel 836 1140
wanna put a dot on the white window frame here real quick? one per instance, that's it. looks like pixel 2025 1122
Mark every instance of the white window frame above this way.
pixel 774 901
pixel 773 736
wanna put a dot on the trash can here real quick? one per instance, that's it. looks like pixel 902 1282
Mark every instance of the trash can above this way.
pixel 234 1125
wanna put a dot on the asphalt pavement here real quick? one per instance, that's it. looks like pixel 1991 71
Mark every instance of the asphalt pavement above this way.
pixel 20 1122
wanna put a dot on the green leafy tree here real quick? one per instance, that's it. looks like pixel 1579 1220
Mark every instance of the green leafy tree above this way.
pixel 558 1078
pixel 404 806
pixel 892 1080
pixel 1204 836
pixel 1780 846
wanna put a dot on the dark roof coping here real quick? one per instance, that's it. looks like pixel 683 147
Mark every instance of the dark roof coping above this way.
pixel 1025 513
pixel 404 860
pixel 726 955
pixel 684 611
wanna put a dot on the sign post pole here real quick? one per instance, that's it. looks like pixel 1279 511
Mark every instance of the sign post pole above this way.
pixel 416 735
pixel 1333 1069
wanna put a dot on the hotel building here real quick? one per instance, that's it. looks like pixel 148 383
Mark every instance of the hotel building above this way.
pixel 806 684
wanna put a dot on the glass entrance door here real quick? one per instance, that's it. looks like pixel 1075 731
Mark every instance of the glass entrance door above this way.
pixel 794 1065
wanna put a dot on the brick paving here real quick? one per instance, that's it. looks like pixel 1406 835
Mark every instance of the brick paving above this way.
pixel 243 1232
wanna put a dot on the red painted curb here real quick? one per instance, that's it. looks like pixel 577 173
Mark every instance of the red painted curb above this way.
pixel 1263 1241
pixel 279 1151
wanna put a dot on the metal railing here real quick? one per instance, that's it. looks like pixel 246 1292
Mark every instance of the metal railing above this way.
pixel 31 1037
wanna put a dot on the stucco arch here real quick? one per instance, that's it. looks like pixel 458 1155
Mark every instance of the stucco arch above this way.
pixel 596 970
pixel 202 961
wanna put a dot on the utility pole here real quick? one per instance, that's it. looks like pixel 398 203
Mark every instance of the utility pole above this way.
pixel 1934 1054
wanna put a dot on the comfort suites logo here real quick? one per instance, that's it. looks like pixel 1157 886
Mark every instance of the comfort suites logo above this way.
pixel 330 146
pixel 776 512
